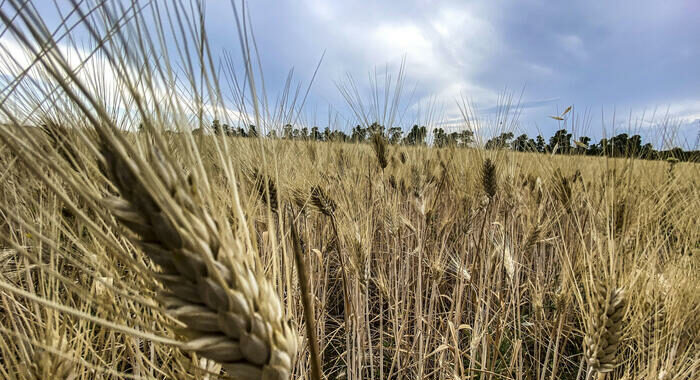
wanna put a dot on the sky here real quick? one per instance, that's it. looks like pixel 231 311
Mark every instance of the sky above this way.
pixel 637 60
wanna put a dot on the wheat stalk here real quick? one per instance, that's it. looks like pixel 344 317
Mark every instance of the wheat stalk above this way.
pixel 604 328
pixel 231 312
pixel 322 202
pixel 488 178
pixel 266 189
pixel 379 144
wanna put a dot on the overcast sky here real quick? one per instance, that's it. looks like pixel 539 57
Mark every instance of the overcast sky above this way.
pixel 622 56
pixel 628 56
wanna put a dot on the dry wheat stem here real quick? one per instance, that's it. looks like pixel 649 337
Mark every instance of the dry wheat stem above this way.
pixel 309 314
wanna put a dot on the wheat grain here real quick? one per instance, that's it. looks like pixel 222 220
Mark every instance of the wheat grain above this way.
pixel 604 328
pixel 232 313
pixel 319 199
pixel 379 144
pixel 266 189
pixel 488 178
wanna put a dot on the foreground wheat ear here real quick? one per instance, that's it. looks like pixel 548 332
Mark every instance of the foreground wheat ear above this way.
pixel 232 313
pixel 604 328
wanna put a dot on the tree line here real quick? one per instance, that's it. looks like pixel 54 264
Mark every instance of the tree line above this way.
pixel 562 142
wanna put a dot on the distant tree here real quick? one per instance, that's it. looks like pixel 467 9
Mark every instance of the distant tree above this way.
pixel 327 134
pixel 604 147
pixel 395 134
pixel 359 134
pixel 216 127
pixel 304 134
pixel 561 141
pixel 581 145
pixel 540 144
pixel 465 138
pixel 454 139
pixel 523 144
pixel 594 150
pixel 499 142
pixel 416 136
pixel 440 138
pixel 288 132
pixel 619 145
pixel 339 136
pixel 315 134
pixel 634 146
pixel 252 131
pixel 374 129
pixel 648 152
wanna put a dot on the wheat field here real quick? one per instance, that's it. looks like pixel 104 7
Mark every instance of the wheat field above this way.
pixel 159 253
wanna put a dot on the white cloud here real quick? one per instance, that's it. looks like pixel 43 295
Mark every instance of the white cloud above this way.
pixel 573 45
pixel 102 80
pixel 445 47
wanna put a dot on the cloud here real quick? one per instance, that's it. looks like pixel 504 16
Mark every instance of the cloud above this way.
pixel 433 46
pixel 593 55
pixel 101 78
pixel 573 44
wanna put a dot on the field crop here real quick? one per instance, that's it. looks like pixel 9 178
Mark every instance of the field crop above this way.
pixel 156 252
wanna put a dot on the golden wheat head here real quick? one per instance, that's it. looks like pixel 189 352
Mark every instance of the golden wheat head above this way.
pixel 604 328
pixel 232 313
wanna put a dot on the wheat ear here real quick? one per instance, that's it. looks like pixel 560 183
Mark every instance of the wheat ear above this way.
pixel 488 178
pixel 379 144
pixel 232 314
pixel 604 328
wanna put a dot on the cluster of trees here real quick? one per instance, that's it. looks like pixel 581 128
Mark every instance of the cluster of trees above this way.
pixel 228 130
pixel 394 135
pixel 562 142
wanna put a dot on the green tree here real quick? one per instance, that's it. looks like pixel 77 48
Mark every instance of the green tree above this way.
pixel 561 141
pixel 540 144
pixel 339 136
pixel 619 145
pixel 395 134
pixel 374 129
pixel 359 134
pixel 288 131
pixel 634 146
pixel 416 136
pixel 216 127
pixel 252 131
pixel 648 152
pixel 440 138
pixel 523 144
pixel 500 141
pixel 581 146
pixel 465 137
pixel 315 134
pixel 594 150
